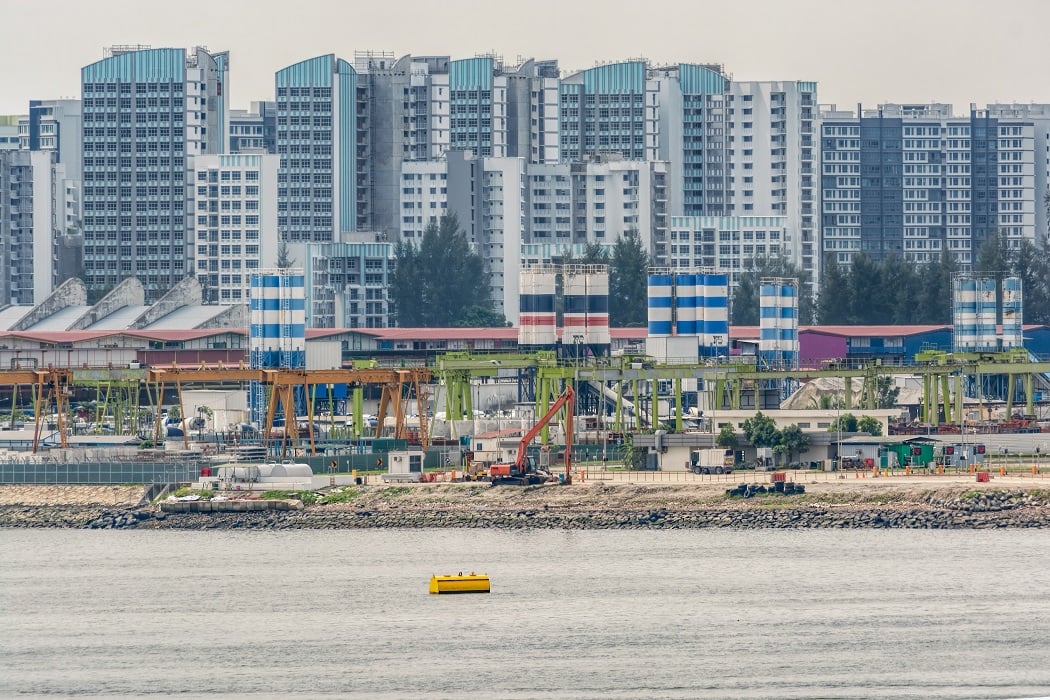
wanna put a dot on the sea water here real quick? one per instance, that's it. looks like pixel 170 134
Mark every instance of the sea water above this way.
pixel 575 614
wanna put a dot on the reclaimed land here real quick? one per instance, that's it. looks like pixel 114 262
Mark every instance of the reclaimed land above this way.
pixel 615 503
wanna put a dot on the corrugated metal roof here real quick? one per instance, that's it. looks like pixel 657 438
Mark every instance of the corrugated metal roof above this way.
pixel 446 333
pixel 312 333
pixel 119 319
pixel 12 315
pixel 60 320
pixel 63 336
pixel 873 331
pixel 188 317
pixel 81 336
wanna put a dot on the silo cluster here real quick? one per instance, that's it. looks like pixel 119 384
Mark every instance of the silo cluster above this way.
pixel 690 303
pixel 975 313
pixel 585 305
pixel 778 324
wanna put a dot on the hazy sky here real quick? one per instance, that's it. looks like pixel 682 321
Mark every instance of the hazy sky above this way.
pixel 956 51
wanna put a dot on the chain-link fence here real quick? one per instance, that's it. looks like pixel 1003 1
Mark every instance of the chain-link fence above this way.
pixel 114 472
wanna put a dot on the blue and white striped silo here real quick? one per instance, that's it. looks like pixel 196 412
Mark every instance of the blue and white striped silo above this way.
pixel 778 329
pixel 1013 317
pixel 277 327
pixel 964 313
pixel 715 302
pixel 685 303
pixel 660 299
pixel 987 338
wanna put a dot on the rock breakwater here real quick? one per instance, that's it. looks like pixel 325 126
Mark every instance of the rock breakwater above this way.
pixel 569 508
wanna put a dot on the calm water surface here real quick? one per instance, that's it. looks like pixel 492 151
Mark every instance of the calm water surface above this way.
pixel 618 614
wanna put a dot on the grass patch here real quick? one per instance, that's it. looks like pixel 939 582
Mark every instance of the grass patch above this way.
pixel 307 497
pixel 971 494
pixel 341 496
pixel 395 491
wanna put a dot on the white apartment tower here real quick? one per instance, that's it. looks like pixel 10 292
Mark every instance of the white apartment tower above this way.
pixel 235 223
pixel 146 114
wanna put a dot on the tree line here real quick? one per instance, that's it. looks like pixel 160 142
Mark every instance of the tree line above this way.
pixel 439 282
pixel 898 292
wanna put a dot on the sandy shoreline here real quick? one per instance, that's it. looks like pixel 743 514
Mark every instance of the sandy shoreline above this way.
pixel 627 501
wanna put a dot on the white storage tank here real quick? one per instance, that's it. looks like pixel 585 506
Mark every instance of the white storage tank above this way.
pixel 1013 317
pixel 964 313
pixel 537 323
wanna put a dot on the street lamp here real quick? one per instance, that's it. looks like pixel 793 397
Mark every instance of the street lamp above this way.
pixel 577 342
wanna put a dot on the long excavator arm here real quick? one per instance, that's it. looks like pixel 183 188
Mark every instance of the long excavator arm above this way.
pixel 566 401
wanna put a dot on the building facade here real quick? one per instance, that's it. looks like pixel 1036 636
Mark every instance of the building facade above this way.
pixel 423 197
pixel 725 243
pixel 56 126
pixel 916 181
pixel 322 139
pixel 146 114
pixel 234 223
pixel 488 197
pixel 348 283
pixel 32 197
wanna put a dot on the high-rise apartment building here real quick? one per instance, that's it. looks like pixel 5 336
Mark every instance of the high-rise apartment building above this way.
pixel 323 141
pixel 234 223
pixel 146 114
pixel 424 106
pixel 28 207
pixel 56 126
pixel 726 243
pixel 488 197
pixel 916 181
pixel 734 148
pixel 772 156
pixel 348 283
pixel 9 140
pixel 597 201
pixel 612 108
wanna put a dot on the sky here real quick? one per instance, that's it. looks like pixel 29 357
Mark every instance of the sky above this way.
pixel 955 51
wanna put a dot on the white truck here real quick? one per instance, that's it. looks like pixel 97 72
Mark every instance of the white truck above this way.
pixel 713 460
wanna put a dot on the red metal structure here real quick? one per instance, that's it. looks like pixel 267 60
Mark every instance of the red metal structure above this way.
pixel 519 472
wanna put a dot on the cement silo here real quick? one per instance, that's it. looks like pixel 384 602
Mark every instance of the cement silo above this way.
pixel 585 316
pixel 685 303
pixel 713 300
pixel 964 313
pixel 661 294
pixel 277 327
pixel 537 320
pixel 778 327
pixel 987 337
pixel 1013 317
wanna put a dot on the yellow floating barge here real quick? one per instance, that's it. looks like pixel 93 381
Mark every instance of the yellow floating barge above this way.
pixel 460 583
